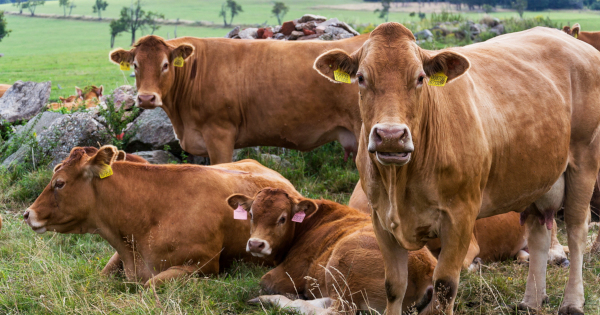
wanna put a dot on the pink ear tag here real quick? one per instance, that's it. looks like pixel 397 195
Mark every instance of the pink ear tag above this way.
pixel 299 217
pixel 240 213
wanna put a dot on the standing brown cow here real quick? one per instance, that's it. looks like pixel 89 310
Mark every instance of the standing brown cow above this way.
pixel 241 93
pixel 159 229
pixel 464 133
pixel 320 242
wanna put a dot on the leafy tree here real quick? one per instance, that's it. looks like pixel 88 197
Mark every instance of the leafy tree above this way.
pixel 520 6
pixel 234 9
pixel 280 10
pixel 31 5
pixel 19 4
pixel 152 21
pixel 384 12
pixel 133 19
pixel 3 30
pixel 116 28
pixel 71 6
pixel 64 4
pixel 99 6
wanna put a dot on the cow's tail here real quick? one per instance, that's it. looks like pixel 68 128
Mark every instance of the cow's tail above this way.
pixel 424 301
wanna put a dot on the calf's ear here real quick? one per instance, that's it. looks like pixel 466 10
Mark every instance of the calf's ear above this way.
pixel 105 156
pixel 236 200
pixel 120 54
pixel 56 168
pixel 452 64
pixel 575 30
pixel 183 50
pixel 79 92
pixel 566 29
pixel 307 206
pixel 336 59
pixel 121 156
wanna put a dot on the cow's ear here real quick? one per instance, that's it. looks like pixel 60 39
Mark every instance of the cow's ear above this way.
pixel 236 200
pixel 336 59
pixel 121 156
pixel 56 168
pixel 79 92
pixel 452 64
pixel 120 54
pixel 102 160
pixel 183 50
pixel 307 206
pixel 575 30
pixel 567 29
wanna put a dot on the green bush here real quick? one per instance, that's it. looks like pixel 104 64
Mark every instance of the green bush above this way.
pixel 116 121
pixel 512 24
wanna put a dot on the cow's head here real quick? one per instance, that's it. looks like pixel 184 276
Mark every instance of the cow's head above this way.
pixel 573 31
pixel 89 92
pixel 66 203
pixel 152 60
pixel 392 73
pixel 271 212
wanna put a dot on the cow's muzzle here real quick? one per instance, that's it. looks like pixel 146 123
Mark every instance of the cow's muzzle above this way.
pixel 258 247
pixel 148 100
pixel 391 143
pixel 30 218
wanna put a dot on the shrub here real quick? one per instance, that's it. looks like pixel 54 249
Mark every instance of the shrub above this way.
pixel 116 121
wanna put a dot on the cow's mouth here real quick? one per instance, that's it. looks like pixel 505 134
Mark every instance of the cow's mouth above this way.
pixel 39 230
pixel 393 158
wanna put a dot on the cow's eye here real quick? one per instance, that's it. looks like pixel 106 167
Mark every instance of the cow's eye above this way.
pixel 361 78
pixel 135 66
pixel 251 217
pixel 420 79
pixel 282 220
pixel 165 66
pixel 59 184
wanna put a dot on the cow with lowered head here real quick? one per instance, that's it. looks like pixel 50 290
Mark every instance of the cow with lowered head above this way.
pixel 164 221
pixel 222 94
pixel 333 245
pixel 464 133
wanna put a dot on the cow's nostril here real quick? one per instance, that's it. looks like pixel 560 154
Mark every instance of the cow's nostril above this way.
pixel 262 245
pixel 26 215
pixel 147 98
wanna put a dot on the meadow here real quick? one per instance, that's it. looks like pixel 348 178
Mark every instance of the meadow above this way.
pixel 59 274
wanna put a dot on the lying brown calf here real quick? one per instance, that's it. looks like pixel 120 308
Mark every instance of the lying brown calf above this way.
pixel 89 97
pixel 496 238
pixel 164 221
pixel 332 244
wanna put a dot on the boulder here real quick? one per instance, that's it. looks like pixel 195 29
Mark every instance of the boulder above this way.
pixel 158 157
pixel 268 33
pixel 307 32
pixel 424 34
pixel 335 33
pixel 498 29
pixel 277 160
pixel 287 28
pixel 311 17
pixel 24 100
pixel 152 131
pixel 233 33
pixel 249 33
pixel 295 35
pixel 123 96
pixel 324 25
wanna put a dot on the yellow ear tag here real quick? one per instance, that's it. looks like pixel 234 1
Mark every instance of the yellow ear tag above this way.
pixel 178 62
pixel 341 76
pixel 106 171
pixel 576 35
pixel 438 79
pixel 124 65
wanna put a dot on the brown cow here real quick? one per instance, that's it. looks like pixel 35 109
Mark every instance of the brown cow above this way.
pixel 464 133
pixel 490 241
pixel 333 245
pixel 226 87
pixel 4 88
pixel 592 38
pixel 89 98
pixel 160 230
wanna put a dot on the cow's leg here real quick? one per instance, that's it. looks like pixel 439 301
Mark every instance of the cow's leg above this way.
pixel 455 235
pixel 277 281
pixel 312 307
pixel 580 180
pixel 556 254
pixel 395 262
pixel 220 143
pixel 113 266
pixel 538 241
pixel 181 271
pixel 470 263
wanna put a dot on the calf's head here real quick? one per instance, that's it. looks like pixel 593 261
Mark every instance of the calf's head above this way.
pixel 271 212
pixel 69 199
pixel 153 62
pixel 392 73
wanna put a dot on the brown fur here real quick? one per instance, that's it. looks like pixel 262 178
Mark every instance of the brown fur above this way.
pixel 159 230
pixel 4 88
pixel 215 103
pixel 90 99
pixel 482 146
pixel 333 236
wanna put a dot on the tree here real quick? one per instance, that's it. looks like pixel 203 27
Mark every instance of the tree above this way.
pixel 133 19
pixel 520 6
pixel 99 6
pixel 280 10
pixel 3 30
pixel 116 28
pixel 64 4
pixel 384 12
pixel 31 5
pixel 152 21
pixel 234 9
pixel 71 6
pixel 19 4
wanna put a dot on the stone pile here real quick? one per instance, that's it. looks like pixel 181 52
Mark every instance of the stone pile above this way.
pixel 309 26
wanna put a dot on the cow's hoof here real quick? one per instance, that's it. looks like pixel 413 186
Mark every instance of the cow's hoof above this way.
pixel 526 308
pixel 254 301
pixel 570 310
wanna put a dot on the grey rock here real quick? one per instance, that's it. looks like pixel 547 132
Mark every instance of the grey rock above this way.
pixel 498 29
pixel 335 33
pixel 122 96
pixel 200 160
pixel 24 100
pixel 278 36
pixel 324 25
pixel 276 29
pixel 424 34
pixel 233 33
pixel 158 157
pixel 295 35
pixel 277 160
pixel 249 33
pixel 348 28
pixel 152 131
pixel 311 17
